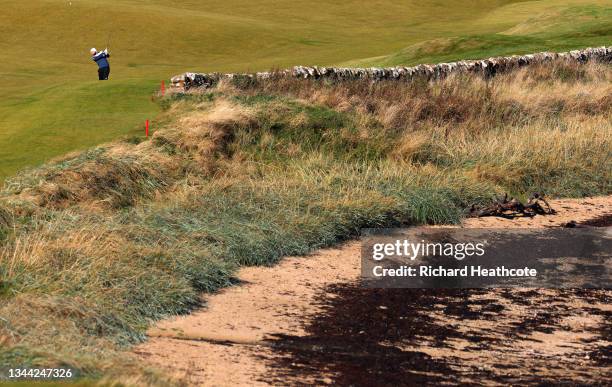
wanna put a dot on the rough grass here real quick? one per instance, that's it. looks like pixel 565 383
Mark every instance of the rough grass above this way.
pixel 97 245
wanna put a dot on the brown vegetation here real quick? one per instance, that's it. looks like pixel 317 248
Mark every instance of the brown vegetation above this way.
pixel 96 245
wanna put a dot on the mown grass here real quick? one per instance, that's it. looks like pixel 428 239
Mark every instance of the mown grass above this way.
pixel 62 118
pixel 51 103
pixel 539 25
pixel 97 245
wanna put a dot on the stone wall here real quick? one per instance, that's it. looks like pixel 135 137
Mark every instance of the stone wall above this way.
pixel 485 67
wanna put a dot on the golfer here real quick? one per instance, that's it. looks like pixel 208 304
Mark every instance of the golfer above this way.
pixel 102 61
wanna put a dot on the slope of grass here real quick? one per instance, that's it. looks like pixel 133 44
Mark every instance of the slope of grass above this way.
pixel 98 244
pixel 50 103
pixel 543 26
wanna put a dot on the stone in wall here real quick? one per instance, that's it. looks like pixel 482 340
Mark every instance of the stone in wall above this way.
pixel 486 67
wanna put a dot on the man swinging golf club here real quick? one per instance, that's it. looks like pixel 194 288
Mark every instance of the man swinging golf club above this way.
pixel 101 59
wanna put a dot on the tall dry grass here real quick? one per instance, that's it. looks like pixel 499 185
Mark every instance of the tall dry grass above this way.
pixel 96 245
pixel 469 101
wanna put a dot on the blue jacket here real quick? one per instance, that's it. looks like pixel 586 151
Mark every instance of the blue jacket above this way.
pixel 100 59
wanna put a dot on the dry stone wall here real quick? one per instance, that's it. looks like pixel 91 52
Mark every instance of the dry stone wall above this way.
pixel 486 67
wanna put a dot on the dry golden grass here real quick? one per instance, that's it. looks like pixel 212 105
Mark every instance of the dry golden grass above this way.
pixel 470 101
pixel 98 244
pixel 410 145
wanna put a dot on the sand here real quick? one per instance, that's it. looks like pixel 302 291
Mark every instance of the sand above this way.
pixel 306 320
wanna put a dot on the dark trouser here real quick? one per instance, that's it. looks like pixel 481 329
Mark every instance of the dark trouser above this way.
pixel 103 73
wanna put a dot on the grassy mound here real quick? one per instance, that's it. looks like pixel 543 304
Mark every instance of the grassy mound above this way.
pixel 97 245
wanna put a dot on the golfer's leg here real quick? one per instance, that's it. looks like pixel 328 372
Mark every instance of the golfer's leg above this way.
pixel 101 74
pixel 107 74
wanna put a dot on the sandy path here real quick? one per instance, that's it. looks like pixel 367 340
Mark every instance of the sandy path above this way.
pixel 202 347
pixel 265 331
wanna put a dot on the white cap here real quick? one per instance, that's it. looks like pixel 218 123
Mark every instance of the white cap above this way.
pixel 93 51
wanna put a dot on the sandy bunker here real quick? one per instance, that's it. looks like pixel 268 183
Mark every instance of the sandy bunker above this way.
pixel 307 320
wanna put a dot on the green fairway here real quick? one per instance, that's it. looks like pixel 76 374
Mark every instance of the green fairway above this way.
pixel 51 103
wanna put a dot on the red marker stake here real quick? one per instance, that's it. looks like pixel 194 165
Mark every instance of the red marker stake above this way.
pixel 163 88
pixel 147 128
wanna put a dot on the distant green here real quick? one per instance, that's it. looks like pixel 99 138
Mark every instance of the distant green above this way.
pixel 50 102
